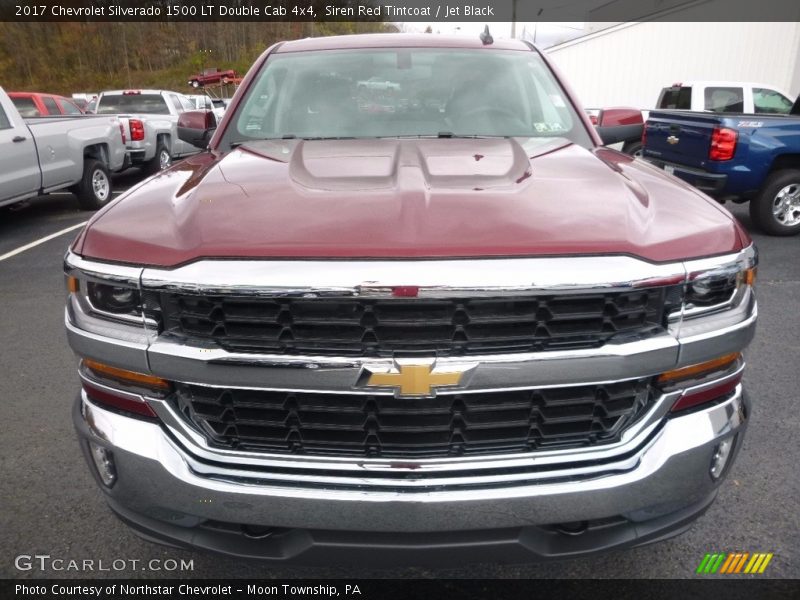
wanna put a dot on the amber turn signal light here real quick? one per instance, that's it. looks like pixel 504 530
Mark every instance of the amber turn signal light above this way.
pixel 126 376
pixel 73 284
pixel 699 369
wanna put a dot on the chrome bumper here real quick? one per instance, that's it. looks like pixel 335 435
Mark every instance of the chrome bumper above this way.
pixel 166 477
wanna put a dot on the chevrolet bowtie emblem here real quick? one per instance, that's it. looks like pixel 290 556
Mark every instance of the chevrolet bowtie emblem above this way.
pixel 417 379
pixel 672 140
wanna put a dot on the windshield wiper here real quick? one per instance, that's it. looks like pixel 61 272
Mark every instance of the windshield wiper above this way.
pixel 470 136
pixel 265 139
pixel 291 136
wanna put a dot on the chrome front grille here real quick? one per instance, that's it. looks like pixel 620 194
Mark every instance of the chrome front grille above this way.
pixel 382 327
pixel 375 426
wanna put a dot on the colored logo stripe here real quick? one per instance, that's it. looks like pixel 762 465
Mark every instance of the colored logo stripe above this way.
pixel 734 562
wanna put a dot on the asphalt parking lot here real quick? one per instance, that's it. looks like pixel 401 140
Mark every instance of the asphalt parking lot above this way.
pixel 50 504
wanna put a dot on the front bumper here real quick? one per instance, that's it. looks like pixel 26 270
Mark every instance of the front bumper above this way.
pixel 651 486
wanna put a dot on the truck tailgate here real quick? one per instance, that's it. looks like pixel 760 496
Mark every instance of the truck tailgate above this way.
pixel 680 137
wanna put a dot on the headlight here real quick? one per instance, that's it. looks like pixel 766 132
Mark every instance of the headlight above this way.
pixel 712 288
pixel 115 299
pixel 715 287
pixel 111 296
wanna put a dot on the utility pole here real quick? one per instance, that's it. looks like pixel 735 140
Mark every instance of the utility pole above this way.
pixel 513 19
pixel 125 52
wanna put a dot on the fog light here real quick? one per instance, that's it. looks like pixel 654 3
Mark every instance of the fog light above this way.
pixel 104 462
pixel 720 459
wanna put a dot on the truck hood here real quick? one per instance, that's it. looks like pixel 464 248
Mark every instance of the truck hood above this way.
pixel 409 198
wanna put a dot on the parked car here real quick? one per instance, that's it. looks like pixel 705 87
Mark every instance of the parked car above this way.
pixel 627 123
pixel 35 104
pixel 724 96
pixel 82 99
pixel 202 102
pixel 460 331
pixel 50 154
pixel 211 76
pixel 737 157
pixel 150 119
pixel 220 106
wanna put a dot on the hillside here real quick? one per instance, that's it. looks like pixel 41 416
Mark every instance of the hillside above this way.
pixel 65 58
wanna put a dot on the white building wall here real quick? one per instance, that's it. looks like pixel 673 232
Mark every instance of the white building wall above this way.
pixel 628 64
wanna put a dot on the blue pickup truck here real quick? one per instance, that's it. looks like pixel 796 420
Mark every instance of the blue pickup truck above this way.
pixel 733 156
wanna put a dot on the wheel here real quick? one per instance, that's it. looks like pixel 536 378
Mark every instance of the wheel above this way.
pixel 633 148
pixel 195 84
pixel 225 81
pixel 94 189
pixel 776 209
pixel 160 161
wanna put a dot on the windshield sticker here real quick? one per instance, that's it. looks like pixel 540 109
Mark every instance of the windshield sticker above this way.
pixel 548 127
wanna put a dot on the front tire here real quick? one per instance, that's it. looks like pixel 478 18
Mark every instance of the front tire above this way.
pixel 94 189
pixel 195 84
pixel 161 161
pixel 776 209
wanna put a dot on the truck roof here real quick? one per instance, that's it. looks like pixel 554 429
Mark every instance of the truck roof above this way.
pixel 395 40
pixel 138 91
pixel 715 83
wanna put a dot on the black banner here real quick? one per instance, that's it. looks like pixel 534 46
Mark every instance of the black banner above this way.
pixel 399 10
pixel 732 588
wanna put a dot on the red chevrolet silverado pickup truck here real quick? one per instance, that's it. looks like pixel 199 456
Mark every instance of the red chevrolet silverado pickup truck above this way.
pixel 437 322
pixel 210 76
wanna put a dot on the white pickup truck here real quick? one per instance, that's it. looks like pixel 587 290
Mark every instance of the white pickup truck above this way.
pixel 48 154
pixel 725 96
pixel 150 120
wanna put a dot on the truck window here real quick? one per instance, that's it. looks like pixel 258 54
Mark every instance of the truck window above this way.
pixel 724 99
pixel 51 106
pixel 187 104
pixel 176 103
pixel 150 104
pixel 26 107
pixel 676 98
pixel 68 108
pixel 406 92
pixel 4 122
pixel 771 102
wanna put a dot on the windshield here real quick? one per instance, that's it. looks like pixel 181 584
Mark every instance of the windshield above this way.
pixel 153 104
pixel 406 92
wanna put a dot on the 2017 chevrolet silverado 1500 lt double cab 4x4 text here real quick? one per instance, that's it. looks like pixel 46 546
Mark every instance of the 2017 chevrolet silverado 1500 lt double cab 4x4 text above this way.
pixel 150 119
pixel 734 156
pixel 447 327
pixel 50 154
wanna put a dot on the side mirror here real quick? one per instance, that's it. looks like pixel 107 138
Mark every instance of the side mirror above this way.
pixel 195 127
pixel 623 124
